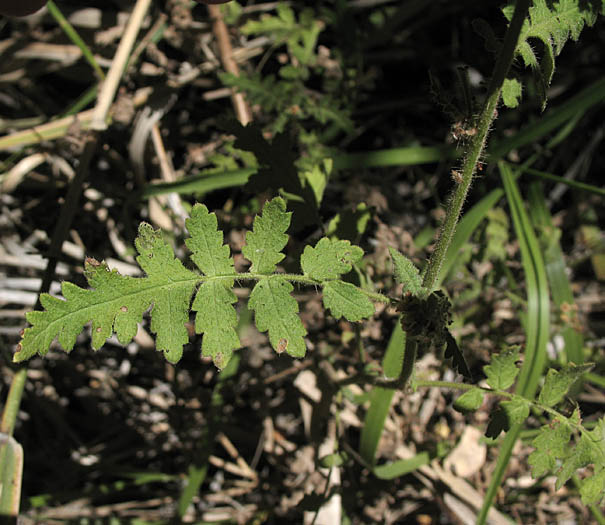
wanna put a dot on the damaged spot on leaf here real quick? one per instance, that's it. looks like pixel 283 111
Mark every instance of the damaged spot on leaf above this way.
pixel 93 262
pixel 282 345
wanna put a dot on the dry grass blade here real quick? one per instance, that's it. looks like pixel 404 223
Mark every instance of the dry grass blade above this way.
pixel 111 82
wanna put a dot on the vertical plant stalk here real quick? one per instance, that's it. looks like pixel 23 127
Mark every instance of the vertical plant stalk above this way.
pixel 472 155
pixel 471 159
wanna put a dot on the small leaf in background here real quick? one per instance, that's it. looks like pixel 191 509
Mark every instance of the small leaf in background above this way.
pixel 329 259
pixel 511 92
pixel 317 178
pixel 551 444
pixel 345 300
pixel 406 273
pixel 516 409
pixel 452 350
pixel 470 401
pixel 350 223
pixel 335 459
pixel 503 370
pixel 267 238
pixel 299 35
pixel 496 235
pixel 276 311
pixel 557 384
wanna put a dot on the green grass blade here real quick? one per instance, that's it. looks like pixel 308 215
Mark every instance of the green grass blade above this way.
pixel 538 300
pixel 401 467
pixel 196 474
pixel 87 98
pixel 393 157
pixel 562 180
pixel 371 159
pixel 381 397
pixel 555 269
pixel 200 183
pixel 73 35
pixel 595 379
pixel 536 325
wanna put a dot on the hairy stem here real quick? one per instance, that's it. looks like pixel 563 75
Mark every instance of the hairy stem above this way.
pixel 472 155
pixel 471 159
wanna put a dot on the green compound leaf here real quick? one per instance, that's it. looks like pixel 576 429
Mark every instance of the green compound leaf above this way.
pixel 551 445
pixel 117 303
pixel 502 371
pixel 470 401
pixel 276 311
pixel 267 238
pixel 406 273
pixel 329 259
pixel 557 384
pixel 216 317
pixel 348 301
